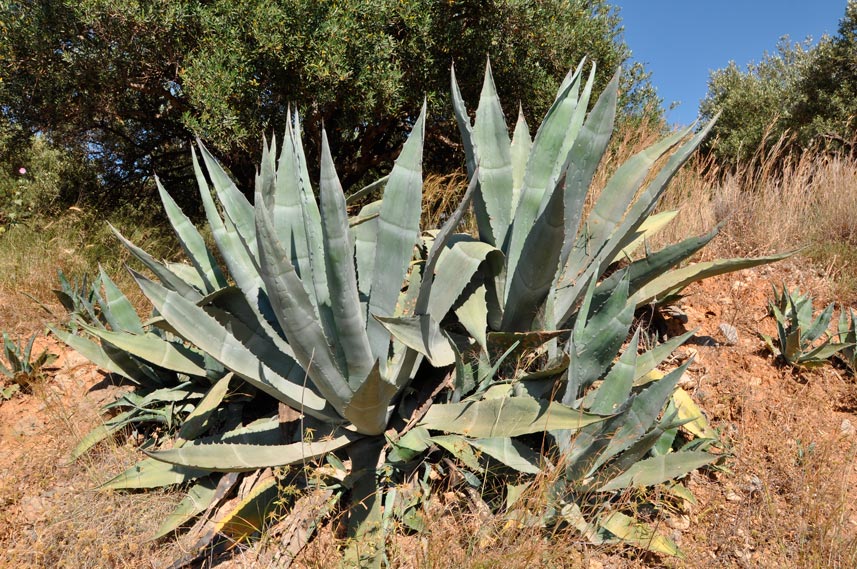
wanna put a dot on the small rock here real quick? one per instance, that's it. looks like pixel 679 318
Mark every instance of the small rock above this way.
pixel 32 508
pixel 686 381
pixel 733 497
pixel 847 428
pixel 595 564
pixel 730 333
pixel 28 426
pixel 680 523
pixel 676 312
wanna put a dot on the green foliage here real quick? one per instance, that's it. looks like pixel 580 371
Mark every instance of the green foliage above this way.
pixel 847 335
pixel 127 84
pixel 803 92
pixel 757 105
pixel 375 357
pixel 23 369
pixel 37 178
pixel 802 341
pixel 530 208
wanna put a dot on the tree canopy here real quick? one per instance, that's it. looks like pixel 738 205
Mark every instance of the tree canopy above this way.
pixel 803 91
pixel 128 84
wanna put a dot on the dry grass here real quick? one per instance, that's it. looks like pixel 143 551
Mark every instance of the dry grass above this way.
pixel 790 501
pixel 31 255
pixel 778 203
pixel 50 512
pixel 793 470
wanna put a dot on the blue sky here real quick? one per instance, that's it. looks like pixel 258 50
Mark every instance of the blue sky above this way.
pixel 681 41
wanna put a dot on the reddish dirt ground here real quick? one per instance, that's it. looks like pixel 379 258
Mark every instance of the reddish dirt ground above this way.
pixel 788 497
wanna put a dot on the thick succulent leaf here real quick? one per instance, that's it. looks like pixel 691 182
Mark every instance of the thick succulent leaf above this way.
pixel 451 279
pixel 642 414
pixel 539 181
pixel 247 516
pixel 247 457
pixel 232 309
pixel 820 325
pixel 653 265
pixel 622 188
pixel 473 315
pixel 823 353
pixel 365 241
pixel 658 469
pixel 113 362
pixel 653 225
pixel 369 408
pixel 410 445
pixel 492 146
pixel 167 277
pixel 456 267
pixel 235 205
pixel 398 231
pixel 316 283
pixel 581 452
pixel 520 153
pixel 504 417
pixel 241 266
pixel 198 498
pixel 616 387
pixel 510 452
pixel 366 190
pixel 286 206
pixel 594 345
pixel 197 422
pixel 188 274
pixel 575 121
pixel 192 243
pixel 691 416
pixel 350 326
pixel 649 360
pixel 464 125
pixel 122 315
pixel 423 334
pixel 458 447
pixel 278 375
pixel 672 282
pixel 150 473
pixel 105 430
pixel 154 349
pixel 639 534
pixel 583 160
pixel 294 312
pixel 600 252
pixel 534 273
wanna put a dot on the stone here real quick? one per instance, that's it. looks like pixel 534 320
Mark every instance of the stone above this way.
pixel 730 333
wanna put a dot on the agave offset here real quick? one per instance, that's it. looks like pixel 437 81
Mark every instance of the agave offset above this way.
pixel 803 341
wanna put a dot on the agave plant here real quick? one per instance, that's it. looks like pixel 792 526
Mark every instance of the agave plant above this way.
pixel 339 326
pixel 802 341
pixel 334 322
pixel 530 206
pixel 23 368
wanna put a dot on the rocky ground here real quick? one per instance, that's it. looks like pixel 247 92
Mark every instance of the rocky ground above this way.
pixel 787 499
